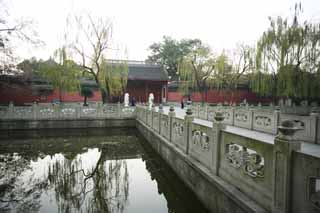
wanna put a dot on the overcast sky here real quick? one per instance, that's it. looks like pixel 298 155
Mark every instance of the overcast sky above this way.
pixel 138 23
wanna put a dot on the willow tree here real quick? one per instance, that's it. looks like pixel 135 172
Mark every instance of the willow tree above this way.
pixel 90 40
pixel 62 73
pixel 197 68
pixel 232 69
pixel 113 76
pixel 288 59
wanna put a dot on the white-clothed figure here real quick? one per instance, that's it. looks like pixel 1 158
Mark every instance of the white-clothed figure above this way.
pixel 150 100
pixel 126 100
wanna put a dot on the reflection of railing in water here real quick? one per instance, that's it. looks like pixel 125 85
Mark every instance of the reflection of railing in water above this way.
pixel 260 166
pixel 61 112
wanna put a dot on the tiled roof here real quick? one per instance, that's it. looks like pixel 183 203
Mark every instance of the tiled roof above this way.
pixel 147 72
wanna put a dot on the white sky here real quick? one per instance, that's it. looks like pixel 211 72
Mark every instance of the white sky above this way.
pixel 138 23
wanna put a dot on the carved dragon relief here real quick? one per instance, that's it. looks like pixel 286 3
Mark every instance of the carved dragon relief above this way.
pixel 250 161
pixel 201 140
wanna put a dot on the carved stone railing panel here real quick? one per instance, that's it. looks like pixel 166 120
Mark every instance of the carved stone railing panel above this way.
pixel 265 121
pixel 248 165
pixel 178 133
pixel 165 126
pixel 68 112
pixel 47 112
pixel 4 112
pixel 243 118
pixel 23 112
pixel 306 180
pixel 228 115
pixel 314 191
pixel 109 111
pixel 201 144
pixel 155 121
pixel 127 112
pixel 149 117
pixel 203 113
pixel 306 123
pixel 86 112
pixel 246 159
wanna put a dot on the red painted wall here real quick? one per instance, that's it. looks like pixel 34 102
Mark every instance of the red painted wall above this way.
pixel 220 96
pixel 23 94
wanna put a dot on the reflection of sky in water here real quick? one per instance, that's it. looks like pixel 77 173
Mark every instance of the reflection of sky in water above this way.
pixel 143 192
pixel 92 174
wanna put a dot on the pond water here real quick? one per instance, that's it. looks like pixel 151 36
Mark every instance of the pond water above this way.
pixel 109 173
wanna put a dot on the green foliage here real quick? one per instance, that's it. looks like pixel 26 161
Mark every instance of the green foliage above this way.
pixel 113 76
pixel 196 68
pixel 288 59
pixel 170 52
pixel 63 75
pixel 86 92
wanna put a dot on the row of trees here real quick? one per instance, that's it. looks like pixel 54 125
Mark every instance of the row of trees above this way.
pixel 284 63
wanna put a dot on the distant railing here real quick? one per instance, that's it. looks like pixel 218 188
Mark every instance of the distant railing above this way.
pixel 272 171
pixel 61 112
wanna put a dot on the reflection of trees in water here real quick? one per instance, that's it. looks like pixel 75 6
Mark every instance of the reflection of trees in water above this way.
pixel 103 188
pixel 22 194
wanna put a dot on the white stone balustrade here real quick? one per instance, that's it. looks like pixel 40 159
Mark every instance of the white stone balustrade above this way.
pixel 258 164
pixel 61 112
pixel 264 119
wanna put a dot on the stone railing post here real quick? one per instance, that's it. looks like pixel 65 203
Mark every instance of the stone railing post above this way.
pixel 10 114
pixel 78 110
pixel 284 146
pixel 119 110
pixel 153 109
pixel 188 119
pixel 217 126
pixel 35 111
pixel 160 117
pixel 277 121
pixel 171 114
pixel 251 115
pixel 315 118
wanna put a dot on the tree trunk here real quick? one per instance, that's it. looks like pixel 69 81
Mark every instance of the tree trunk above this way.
pixel 85 101
pixel 60 95
pixel 104 96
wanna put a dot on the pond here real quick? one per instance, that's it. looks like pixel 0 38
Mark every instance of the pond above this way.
pixel 90 173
